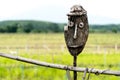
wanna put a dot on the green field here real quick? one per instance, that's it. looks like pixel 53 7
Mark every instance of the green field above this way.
pixel 47 43
pixel 100 52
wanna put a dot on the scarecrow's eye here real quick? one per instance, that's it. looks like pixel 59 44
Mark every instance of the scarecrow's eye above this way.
pixel 81 24
pixel 70 23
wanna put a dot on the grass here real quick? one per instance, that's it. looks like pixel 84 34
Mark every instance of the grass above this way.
pixel 51 38
pixel 15 70
pixel 51 48
pixel 47 43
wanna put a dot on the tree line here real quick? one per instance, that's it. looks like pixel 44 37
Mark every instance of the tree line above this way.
pixel 109 28
pixel 25 26
pixel 30 26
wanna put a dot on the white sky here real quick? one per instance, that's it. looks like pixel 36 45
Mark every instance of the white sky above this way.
pixel 99 11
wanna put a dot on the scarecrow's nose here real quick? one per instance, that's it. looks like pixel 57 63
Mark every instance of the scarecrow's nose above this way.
pixel 75 32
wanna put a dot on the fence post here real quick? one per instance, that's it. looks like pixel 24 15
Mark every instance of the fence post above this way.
pixel 98 49
pixel 116 47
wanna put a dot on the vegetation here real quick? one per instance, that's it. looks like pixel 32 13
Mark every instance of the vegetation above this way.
pixel 51 48
pixel 15 70
pixel 47 43
pixel 30 26
pixel 105 28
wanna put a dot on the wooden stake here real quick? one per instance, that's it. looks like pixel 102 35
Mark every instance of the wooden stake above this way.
pixel 75 64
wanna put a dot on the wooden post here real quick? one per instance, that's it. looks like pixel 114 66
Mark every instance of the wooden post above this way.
pixel 75 64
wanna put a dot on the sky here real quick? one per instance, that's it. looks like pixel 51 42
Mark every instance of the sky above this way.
pixel 98 11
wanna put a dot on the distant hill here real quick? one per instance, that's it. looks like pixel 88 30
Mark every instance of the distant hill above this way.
pixel 31 26
pixel 110 28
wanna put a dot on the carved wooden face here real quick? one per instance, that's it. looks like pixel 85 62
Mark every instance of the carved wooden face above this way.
pixel 76 32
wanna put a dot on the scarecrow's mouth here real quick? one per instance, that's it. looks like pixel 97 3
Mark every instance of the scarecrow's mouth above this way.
pixel 76 46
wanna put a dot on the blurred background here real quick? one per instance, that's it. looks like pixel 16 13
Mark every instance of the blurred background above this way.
pixel 34 29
